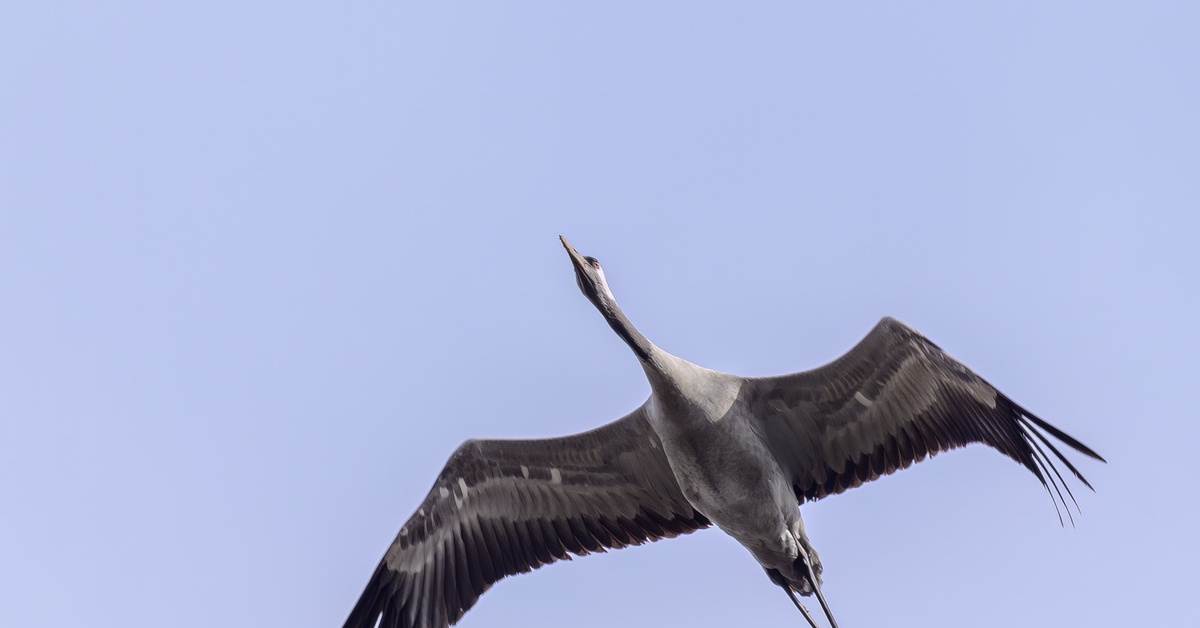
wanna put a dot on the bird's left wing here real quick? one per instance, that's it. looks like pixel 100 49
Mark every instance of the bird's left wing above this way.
pixel 890 401
pixel 501 507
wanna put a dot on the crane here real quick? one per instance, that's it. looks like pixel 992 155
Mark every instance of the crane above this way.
pixel 707 448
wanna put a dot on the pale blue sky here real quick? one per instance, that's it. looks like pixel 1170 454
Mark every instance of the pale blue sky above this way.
pixel 264 265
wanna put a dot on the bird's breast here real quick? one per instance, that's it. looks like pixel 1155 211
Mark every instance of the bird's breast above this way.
pixel 725 472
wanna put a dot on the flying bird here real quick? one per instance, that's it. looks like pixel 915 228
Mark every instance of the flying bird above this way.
pixel 707 448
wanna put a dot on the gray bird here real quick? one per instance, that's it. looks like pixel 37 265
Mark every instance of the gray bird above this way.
pixel 707 448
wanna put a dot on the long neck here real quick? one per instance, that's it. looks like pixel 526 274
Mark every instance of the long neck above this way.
pixel 642 347
pixel 687 388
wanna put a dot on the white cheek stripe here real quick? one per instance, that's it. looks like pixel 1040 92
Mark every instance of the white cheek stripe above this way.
pixel 604 284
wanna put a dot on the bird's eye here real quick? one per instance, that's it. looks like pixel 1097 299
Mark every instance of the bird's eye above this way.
pixel 593 261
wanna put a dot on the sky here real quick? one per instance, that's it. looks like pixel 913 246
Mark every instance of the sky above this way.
pixel 263 266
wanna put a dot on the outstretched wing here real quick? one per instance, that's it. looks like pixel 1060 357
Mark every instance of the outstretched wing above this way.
pixel 890 401
pixel 501 507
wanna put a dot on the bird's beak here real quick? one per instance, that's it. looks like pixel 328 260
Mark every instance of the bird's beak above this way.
pixel 576 258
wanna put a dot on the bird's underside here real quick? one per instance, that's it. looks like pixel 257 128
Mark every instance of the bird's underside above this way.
pixel 502 507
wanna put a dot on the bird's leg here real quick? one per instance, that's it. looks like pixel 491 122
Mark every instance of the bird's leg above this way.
pixel 812 578
pixel 791 594
pixel 778 579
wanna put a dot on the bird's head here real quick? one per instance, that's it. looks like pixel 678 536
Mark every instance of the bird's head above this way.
pixel 590 277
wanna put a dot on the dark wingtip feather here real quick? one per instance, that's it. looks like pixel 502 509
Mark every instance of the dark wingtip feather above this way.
pixel 1036 465
pixel 1052 473
pixel 1060 435
pixel 370 604
pixel 1060 455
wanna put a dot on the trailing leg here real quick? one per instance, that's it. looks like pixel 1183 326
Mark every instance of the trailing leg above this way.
pixel 807 569
pixel 778 579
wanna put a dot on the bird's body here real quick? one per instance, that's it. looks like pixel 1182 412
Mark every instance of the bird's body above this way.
pixel 721 464
pixel 706 448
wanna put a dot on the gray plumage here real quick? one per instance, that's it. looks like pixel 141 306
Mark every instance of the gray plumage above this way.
pixel 706 448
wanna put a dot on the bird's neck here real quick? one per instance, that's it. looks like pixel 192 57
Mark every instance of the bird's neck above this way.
pixel 641 346
pixel 668 374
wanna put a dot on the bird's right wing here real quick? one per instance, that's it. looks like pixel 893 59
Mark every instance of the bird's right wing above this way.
pixel 501 507
pixel 890 401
